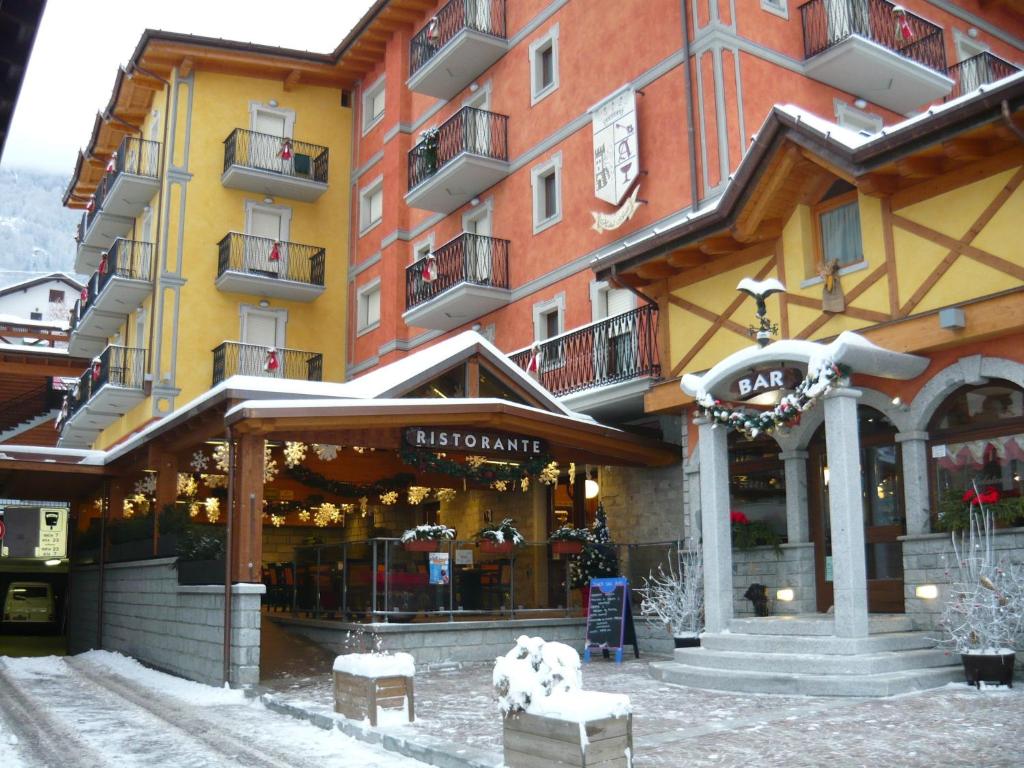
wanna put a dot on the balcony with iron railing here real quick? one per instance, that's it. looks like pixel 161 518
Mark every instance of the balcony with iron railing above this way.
pixel 876 50
pixel 128 185
pixel 261 266
pixel 602 368
pixel 122 280
pixel 462 280
pixel 274 165
pixel 110 387
pixel 454 163
pixel 233 358
pixel 970 74
pixel 456 46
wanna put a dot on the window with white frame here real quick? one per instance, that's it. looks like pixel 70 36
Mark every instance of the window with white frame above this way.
pixel 856 119
pixel 544 65
pixel 373 104
pixel 548 322
pixel 546 180
pixel 422 248
pixel 368 307
pixel 778 7
pixel 371 205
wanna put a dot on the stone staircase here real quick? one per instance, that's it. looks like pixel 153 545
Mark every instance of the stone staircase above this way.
pixel 800 655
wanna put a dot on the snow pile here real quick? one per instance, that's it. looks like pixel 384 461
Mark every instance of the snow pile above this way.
pixel 376 664
pixel 196 694
pixel 544 679
pixel 30 668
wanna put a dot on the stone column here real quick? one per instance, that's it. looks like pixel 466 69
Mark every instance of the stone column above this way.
pixel 915 481
pixel 846 512
pixel 715 530
pixel 797 527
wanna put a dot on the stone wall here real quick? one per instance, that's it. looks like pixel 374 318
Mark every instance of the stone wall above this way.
pixel 644 504
pixel 792 566
pixel 929 559
pixel 179 629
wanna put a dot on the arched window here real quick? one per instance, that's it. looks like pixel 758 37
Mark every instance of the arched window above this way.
pixel 976 450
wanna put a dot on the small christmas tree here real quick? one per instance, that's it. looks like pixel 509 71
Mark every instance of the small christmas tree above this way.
pixel 599 558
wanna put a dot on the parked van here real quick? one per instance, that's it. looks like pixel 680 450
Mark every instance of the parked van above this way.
pixel 30 601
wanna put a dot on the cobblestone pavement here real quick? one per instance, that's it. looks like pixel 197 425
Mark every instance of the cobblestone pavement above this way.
pixel 679 726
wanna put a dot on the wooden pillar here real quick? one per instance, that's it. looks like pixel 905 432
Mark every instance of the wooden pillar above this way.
pixel 166 466
pixel 247 533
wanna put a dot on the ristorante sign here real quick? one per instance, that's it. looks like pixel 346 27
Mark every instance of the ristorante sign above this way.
pixel 441 438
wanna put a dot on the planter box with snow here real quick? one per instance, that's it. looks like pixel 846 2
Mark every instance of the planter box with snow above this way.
pixel 422 545
pixel 365 681
pixel 534 740
pixel 490 547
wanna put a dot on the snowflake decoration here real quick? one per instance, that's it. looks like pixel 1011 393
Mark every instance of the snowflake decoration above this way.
pixel 304 515
pixel 270 468
pixel 193 509
pixel 445 494
pixel 199 462
pixel 417 493
pixel 127 509
pixel 389 498
pixel 524 484
pixel 147 485
pixel 549 475
pixel 220 457
pixel 294 453
pixel 216 481
pixel 358 449
pixel 475 461
pixel 500 485
pixel 187 485
pixel 277 520
pixel 212 505
pixel 98 504
pixel 364 505
pixel 572 473
pixel 140 499
pixel 326 451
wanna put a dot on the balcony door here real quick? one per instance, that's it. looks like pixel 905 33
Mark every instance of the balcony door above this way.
pixel 262 329
pixel 266 152
pixel 847 17
pixel 266 244
pixel 615 340
pixel 479 267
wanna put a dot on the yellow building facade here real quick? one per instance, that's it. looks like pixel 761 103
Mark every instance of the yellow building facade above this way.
pixel 215 228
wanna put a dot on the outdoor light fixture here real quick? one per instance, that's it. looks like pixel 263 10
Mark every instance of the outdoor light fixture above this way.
pixel 824 476
pixel 926 591
pixel 860 103
pixel 52 562
pixel 591 489
pixel 784 595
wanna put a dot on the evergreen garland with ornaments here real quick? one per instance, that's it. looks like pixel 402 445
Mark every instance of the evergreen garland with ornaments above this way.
pixel 598 559
pixel 815 385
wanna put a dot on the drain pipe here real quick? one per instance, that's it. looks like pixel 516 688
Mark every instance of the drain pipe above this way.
pixel 228 560
pixel 688 98
pixel 1009 121
pixel 103 563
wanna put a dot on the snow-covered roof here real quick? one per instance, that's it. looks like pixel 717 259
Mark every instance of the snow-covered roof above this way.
pixel 37 279
pixel 27 321
pixel 848 349
pixel 51 455
pixel 28 349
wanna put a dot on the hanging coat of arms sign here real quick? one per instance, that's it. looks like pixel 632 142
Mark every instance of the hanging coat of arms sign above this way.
pixel 616 158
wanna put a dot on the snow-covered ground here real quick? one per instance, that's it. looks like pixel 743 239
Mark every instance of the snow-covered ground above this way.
pixel 101 709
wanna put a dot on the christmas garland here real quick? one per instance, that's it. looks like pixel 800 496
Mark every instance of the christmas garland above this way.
pixel 313 479
pixel 752 423
pixel 481 473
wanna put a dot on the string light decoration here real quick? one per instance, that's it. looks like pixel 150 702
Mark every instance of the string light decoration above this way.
pixel 312 479
pixel 445 494
pixel 212 505
pixel 389 498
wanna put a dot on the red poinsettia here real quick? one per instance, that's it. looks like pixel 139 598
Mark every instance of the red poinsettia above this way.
pixel 738 517
pixel 990 495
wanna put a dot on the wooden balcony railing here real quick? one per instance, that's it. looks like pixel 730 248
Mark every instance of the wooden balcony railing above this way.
pixel 610 351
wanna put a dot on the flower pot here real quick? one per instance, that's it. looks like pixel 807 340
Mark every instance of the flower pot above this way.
pixel 692 641
pixel 200 572
pixel 566 547
pixel 489 547
pixel 422 545
pixel 532 740
pixel 988 668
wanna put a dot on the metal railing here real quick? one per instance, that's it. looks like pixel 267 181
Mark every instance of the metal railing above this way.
pixel 610 351
pixel 129 259
pixel 274 154
pixel 118 367
pixel 982 69
pixel 487 16
pixel 28 405
pixel 138 157
pixel 471 130
pixel 265 257
pixel 468 258
pixel 233 358
pixel 98 198
pixel 829 22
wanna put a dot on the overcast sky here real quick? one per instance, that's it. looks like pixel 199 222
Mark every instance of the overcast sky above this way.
pixel 82 42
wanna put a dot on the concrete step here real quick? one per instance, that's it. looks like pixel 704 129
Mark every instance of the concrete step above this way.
pixel 884 684
pixel 815 625
pixel 813 663
pixel 812 644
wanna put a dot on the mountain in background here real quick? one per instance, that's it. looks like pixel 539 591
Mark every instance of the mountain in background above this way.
pixel 36 231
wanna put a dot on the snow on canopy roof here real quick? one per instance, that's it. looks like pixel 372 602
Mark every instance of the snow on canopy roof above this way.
pixel 47 454
pixel 848 349
pixel 28 348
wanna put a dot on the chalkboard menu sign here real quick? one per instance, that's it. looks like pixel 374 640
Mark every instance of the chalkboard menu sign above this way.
pixel 609 618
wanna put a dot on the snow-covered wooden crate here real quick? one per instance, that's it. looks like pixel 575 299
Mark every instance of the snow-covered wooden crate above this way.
pixel 363 682
pixel 538 741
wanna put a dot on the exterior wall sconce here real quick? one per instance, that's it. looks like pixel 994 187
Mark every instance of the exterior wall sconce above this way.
pixel 591 489
pixel 784 595
pixel 926 591
pixel 952 319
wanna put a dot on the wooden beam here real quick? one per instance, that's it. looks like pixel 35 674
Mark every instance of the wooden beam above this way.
pixel 835 170
pixel 292 80
pixel 921 167
pixel 686 258
pixel 186 67
pixel 851 295
pixel 707 314
pixel 859 313
pixel 722 264
pixel 656 270
pixel 768 229
pixel 878 184
pixel 967 149
pixel 961 177
pixel 714 246
pixel 767 190
pixel 247 534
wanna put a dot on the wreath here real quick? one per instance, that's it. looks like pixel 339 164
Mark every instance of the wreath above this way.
pixel 813 387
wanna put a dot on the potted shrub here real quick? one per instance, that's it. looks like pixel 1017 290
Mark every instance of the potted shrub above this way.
pixel 747 533
pixel 131 538
pixel 428 149
pixel 676 598
pixel 499 539
pixel 568 540
pixel 548 719
pixel 172 524
pixel 201 556
pixel 983 613
pixel 426 538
